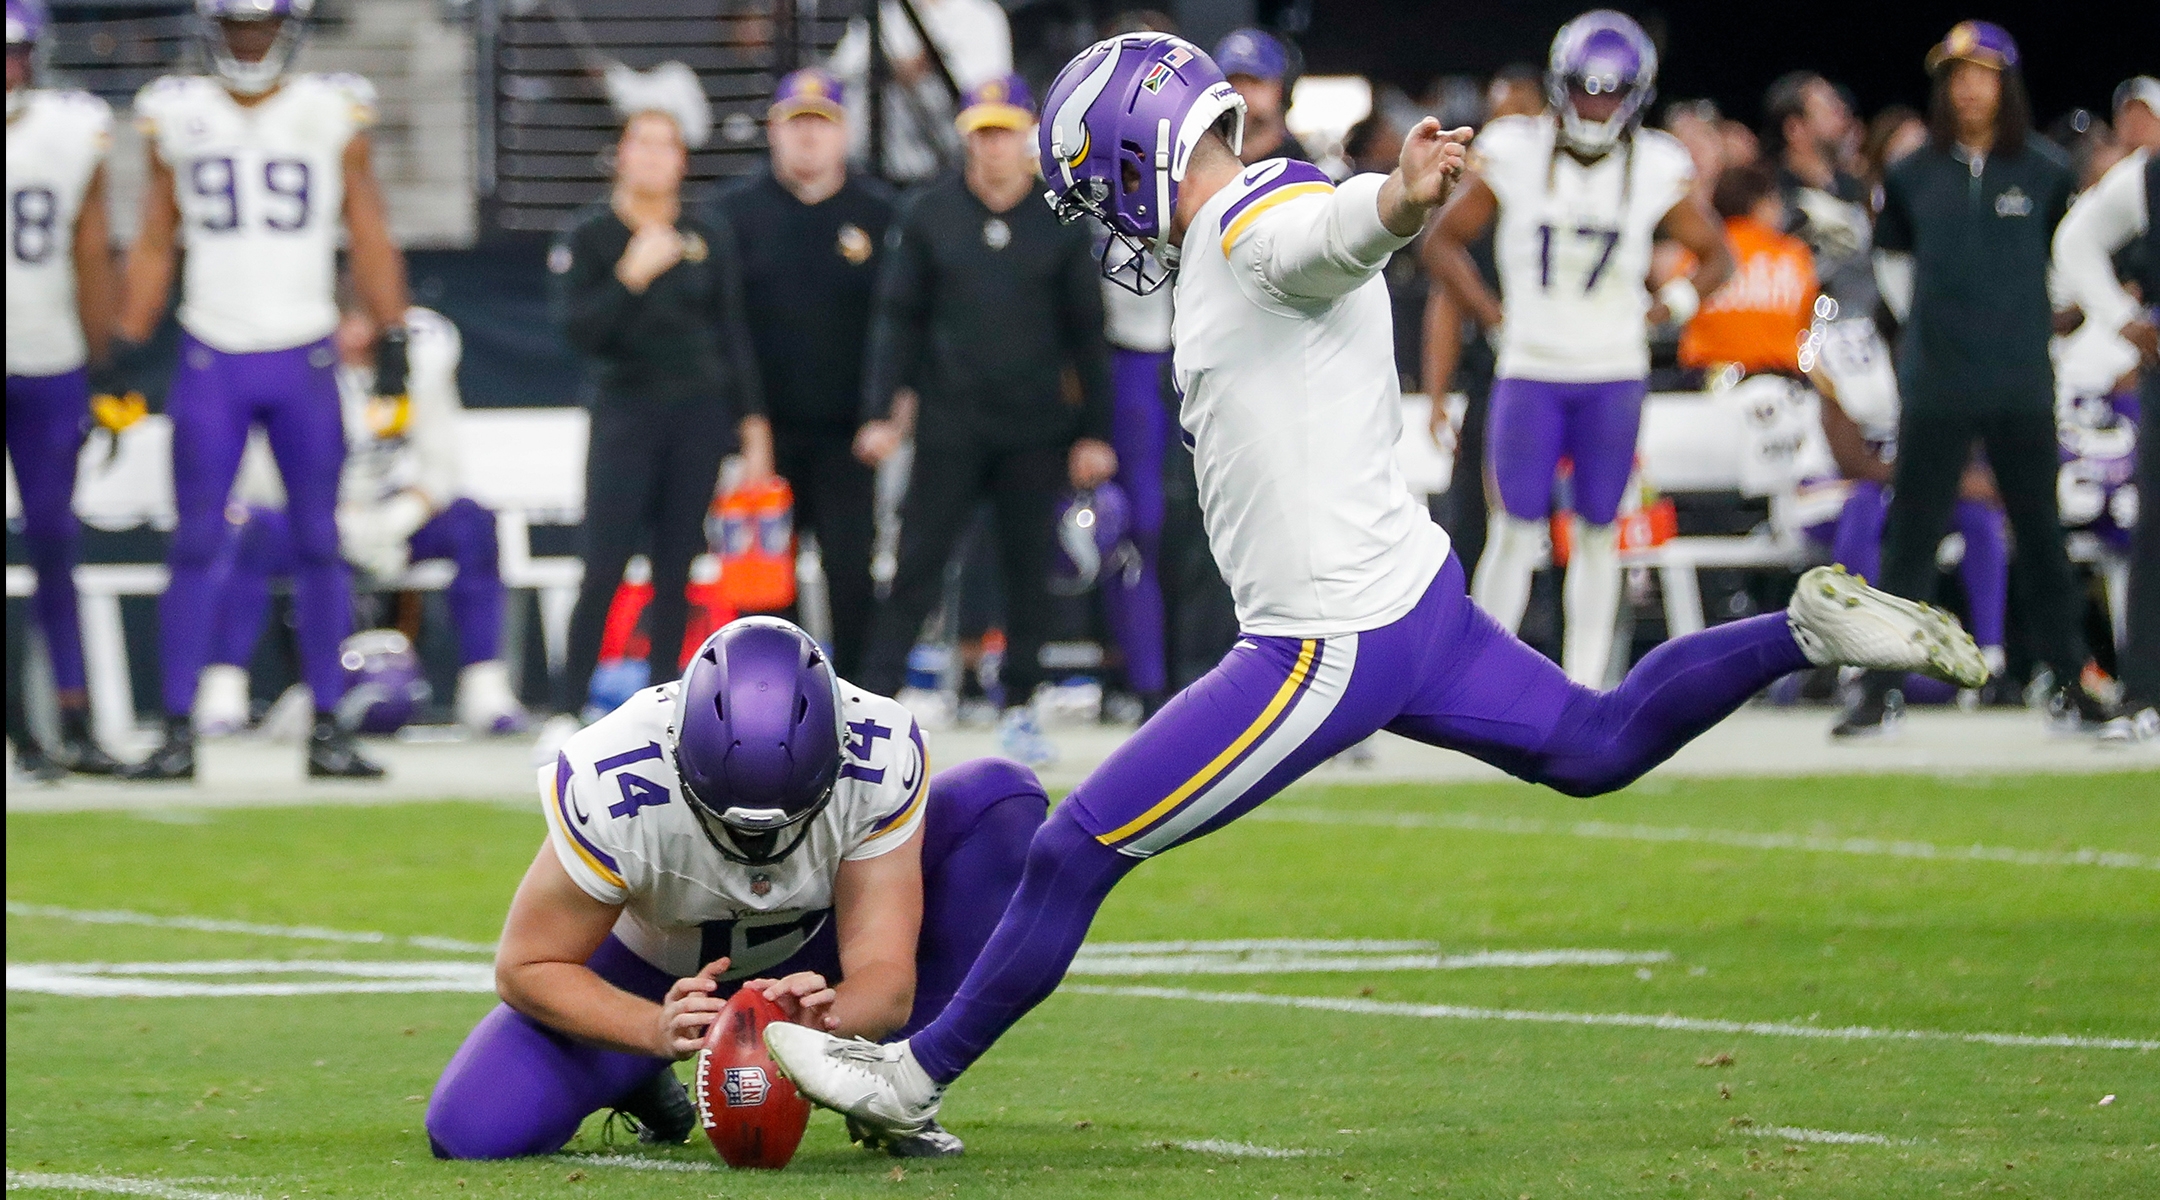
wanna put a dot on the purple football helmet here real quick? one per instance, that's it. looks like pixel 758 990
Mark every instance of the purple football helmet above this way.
pixel 1118 130
pixel 756 738
pixel 252 78
pixel 1601 53
pixel 2096 489
pixel 383 685
pixel 25 23
pixel 1091 529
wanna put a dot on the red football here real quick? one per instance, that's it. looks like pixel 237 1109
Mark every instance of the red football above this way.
pixel 749 1110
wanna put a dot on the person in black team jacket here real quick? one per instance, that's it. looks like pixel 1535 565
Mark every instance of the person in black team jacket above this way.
pixel 1963 244
pixel 808 234
pixel 652 295
pixel 985 303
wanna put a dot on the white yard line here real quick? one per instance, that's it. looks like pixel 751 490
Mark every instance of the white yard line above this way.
pixel 1715 837
pixel 1832 1137
pixel 1260 958
pixel 635 1163
pixel 1453 1012
pixel 115 1185
pixel 178 979
pixel 308 933
pixel 1239 1149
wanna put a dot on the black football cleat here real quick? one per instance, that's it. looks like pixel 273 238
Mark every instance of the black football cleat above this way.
pixel 333 753
pixel 2072 709
pixel 174 759
pixel 78 751
pixel 1874 714
pixel 661 1110
pixel 932 1141
pixel 33 763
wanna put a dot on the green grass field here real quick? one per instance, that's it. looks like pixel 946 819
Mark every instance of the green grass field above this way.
pixel 1402 1080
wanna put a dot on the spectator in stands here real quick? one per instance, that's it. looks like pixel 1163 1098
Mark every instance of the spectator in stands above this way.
pixel 1458 351
pixel 1894 133
pixel 1258 66
pixel 985 304
pixel 1806 126
pixel 652 295
pixel 2122 207
pixel 970 44
pixel 1964 239
pixel 1739 143
pixel 1695 123
pixel 808 233
pixel 2137 114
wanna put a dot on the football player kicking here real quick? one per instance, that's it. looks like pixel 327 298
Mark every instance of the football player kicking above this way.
pixel 250 170
pixel 1579 192
pixel 59 297
pixel 758 823
pixel 1352 602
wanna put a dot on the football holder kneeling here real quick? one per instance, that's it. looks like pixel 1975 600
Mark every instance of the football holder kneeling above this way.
pixel 749 1111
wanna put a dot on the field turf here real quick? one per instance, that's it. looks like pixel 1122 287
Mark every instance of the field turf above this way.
pixel 1420 1072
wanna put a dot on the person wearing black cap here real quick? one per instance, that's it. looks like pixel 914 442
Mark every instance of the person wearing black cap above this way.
pixel 1258 65
pixel 808 233
pixel 1963 244
pixel 985 303
pixel 650 293
pixel 2122 207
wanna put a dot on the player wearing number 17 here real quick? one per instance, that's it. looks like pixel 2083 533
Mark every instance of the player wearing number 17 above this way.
pixel 1579 191
pixel 250 170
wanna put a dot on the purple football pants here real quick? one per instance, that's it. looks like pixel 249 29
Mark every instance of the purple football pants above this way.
pixel 1276 707
pixel 1140 429
pixel 216 397
pixel 517 1087
pixel 262 550
pixel 1856 545
pixel 46 419
pixel 1534 423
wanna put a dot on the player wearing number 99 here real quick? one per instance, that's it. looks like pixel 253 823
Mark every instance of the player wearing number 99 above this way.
pixel 250 171
pixel 59 297
pixel 1580 191
pixel 758 823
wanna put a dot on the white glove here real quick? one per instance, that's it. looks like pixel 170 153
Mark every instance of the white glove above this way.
pixel 377 538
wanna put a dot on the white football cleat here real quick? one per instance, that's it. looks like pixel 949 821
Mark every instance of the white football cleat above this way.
pixel 486 703
pixel 882 1087
pixel 221 701
pixel 1837 618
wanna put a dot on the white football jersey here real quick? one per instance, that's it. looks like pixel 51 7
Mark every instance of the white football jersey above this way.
pixel 54 147
pixel 261 191
pixel 1285 361
pixel 391 447
pixel 623 829
pixel 1573 244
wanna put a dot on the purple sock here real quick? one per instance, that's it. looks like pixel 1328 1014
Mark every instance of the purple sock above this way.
pixel 1068 874
pixel 1986 569
pixel 1858 544
pixel 1606 740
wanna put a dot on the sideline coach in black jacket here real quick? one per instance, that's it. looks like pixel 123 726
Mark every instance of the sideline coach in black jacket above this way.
pixel 985 304
pixel 1966 229
pixel 809 233
pixel 652 296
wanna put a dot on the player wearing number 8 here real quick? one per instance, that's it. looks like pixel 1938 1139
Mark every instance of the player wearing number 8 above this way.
pixel 1579 193
pixel 59 298
pixel 251 170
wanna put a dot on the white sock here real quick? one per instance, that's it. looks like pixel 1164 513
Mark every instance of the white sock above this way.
pixel 484 693
pixel 221 695
pixel 1591 600
pixel 1513 549
pixel 910 1080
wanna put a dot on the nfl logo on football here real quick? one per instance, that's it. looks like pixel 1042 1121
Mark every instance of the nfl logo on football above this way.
pixel 743 1087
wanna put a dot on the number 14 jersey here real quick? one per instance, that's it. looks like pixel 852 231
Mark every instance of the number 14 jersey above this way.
pixel 1573 245
pixel 261 191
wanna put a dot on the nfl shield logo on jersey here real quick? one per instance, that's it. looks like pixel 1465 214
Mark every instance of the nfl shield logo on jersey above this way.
pixel 743 1087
